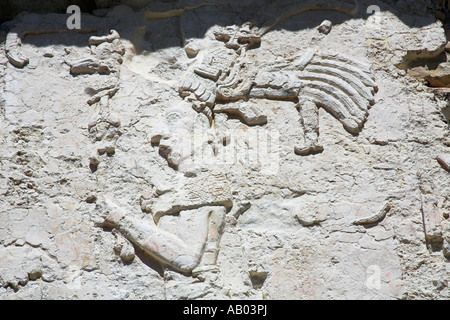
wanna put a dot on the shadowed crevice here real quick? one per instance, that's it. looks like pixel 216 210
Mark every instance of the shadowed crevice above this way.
pixel 184 19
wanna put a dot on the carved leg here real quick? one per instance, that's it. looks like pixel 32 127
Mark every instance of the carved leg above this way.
pixel 200 230
pixel 215 230
pixel 309 115
pixel 192 228
pixel 194 242
pixel 160 244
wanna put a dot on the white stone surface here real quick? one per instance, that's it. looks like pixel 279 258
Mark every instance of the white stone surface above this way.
pixel 295 238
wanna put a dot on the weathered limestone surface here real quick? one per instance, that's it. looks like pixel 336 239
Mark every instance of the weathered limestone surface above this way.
pixel 206 150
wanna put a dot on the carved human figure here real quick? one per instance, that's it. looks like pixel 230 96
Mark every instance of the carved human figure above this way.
pixel 342 86
pixel 187 217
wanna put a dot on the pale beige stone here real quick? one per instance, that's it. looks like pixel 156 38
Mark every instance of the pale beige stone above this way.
pixel 246 155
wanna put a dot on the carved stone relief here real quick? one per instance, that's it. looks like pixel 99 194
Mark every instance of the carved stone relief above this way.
pixel 125 167
pixel 342 86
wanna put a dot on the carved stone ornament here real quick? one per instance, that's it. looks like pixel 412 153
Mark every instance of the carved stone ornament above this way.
pixel 225 149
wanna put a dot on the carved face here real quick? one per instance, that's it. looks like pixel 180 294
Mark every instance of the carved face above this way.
pixel 173 135
pixel 238 37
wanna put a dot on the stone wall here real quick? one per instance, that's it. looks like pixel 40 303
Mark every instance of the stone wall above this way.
pixel 226 151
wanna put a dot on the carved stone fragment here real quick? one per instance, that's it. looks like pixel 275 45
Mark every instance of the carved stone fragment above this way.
pixel 378 217
pixel 194 244
pixel 325 27
pixel 35 25
pixel 444 161
pixel 432 219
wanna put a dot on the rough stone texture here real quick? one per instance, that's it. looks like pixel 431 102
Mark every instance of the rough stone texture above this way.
pixel 105 195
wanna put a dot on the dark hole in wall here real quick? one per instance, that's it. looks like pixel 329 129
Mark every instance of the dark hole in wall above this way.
pixel 257 279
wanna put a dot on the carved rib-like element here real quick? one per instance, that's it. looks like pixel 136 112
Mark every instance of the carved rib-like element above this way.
pixel 350 67
pixel 199 90
pixel 333 106
pixel 348 103
pixel 352 80
pixel 204 98
pixel 282 10
pixel 343 87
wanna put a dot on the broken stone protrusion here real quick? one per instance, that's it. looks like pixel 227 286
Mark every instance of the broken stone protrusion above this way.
pixel 124 248
pixel 438 78
pixel 110 150
pixel 91 199
pixel 84 66
pixel 35 274
pixel 94 160
pixel 325 27
pixel 432 222
pixel 258 278
pixel 113 35
pixel 377 218
pixel 114 120
pixel 444 161
pixel 242 207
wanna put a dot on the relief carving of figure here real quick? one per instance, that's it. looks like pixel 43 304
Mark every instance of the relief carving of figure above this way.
pixel 342 86
pixel 187 219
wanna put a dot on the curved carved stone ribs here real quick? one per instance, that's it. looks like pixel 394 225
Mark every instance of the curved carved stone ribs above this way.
pixel 342 86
